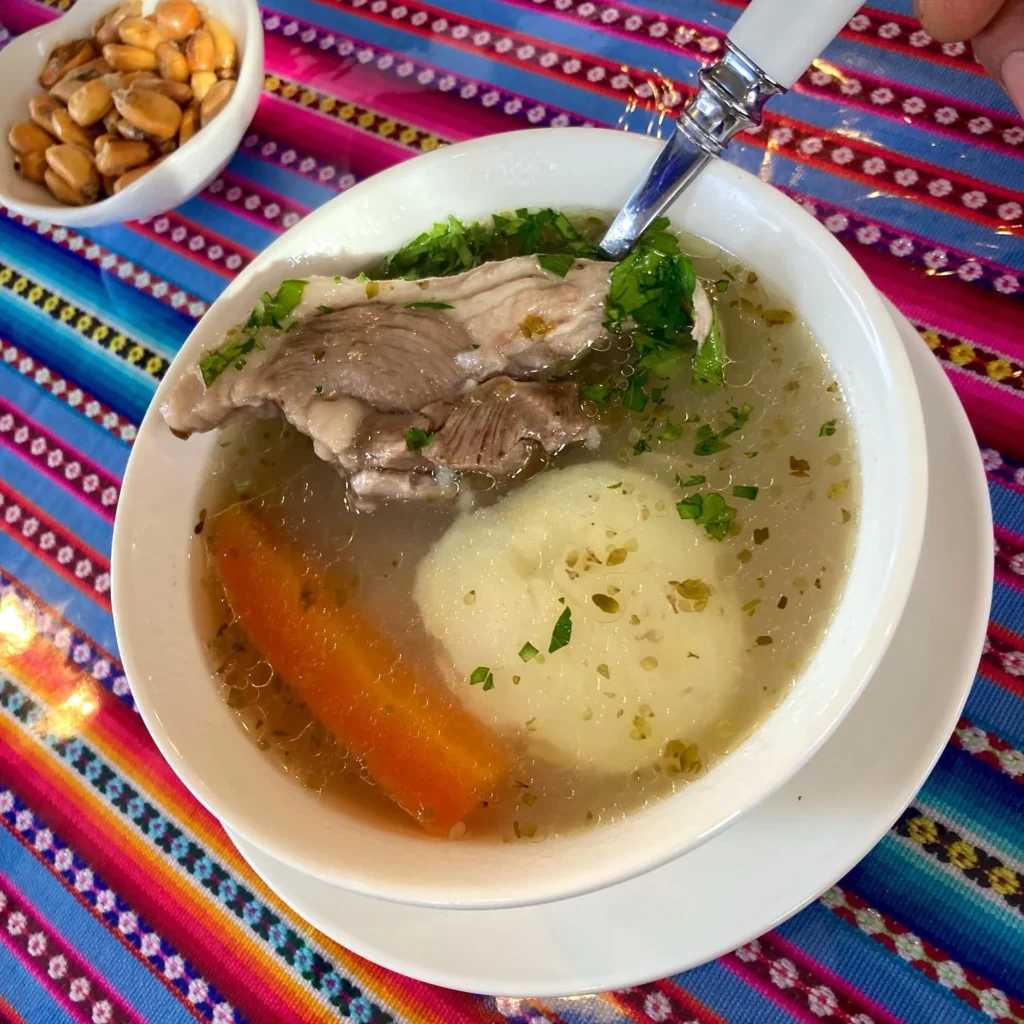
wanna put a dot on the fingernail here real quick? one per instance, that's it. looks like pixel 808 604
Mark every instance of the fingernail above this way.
pixel 1012 74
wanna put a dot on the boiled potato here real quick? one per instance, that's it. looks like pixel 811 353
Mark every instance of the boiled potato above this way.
pixel 657 638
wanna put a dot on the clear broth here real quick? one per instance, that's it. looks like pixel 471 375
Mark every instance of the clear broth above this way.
pixel 785 559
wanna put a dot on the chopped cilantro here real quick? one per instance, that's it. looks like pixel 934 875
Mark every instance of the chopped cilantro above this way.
pixel 690 481
pixel 451 247
pixel 642 445
pixel 741 491
pixel 709 511
pixel 482 674
pixel 671 432
pixel 600 394
pixel 325 309
pixel 415 439
pixel 562 633
pixel 556 263
pixel 709 364
pixel 708 442
pixel 233 353
pixel 528 652
pixel 269 311
pixel 428 305
pixel 721 285
pixel 827 429
pixel 634 398
pixel 318 390
pixel 615 486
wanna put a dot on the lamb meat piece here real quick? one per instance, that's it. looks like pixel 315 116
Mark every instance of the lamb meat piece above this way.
pixel 381 345
pixel 491 429
pixel 494 428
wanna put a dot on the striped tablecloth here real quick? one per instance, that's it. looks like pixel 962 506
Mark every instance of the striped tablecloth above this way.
pixel 120 898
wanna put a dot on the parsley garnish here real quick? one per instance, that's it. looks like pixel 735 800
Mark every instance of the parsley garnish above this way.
pixel 451 247
pixel 428 305
pixel 708 442
pixel 709 364
pixel 600 394
pixel 741 491
pixel 634 398
pixel 709 511
pixel 415 439
pixel 269 311
pixel 556 262
pixel 214 363
pixel 562 633
pixel 482 674
pixel 827 429
pixel 528 652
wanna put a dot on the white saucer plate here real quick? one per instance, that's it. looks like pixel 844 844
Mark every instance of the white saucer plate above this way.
pixel 776 859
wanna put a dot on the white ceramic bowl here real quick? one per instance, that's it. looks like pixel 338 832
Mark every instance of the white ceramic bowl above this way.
pixel 569 168
pixel 185 173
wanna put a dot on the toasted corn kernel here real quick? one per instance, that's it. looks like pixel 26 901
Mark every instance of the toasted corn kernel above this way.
pixel 225 52
pixel 178 19
pixel 31 165
pixel 41 109
pixel 199 51
pixel 133 175
pixel 62 190
pixel 189 124
pixel 180 92
pixel 90 103
pixel 120 155
pixel 214 101
pixel 202 83
pixel 140 32
pixel 106 27
pixel 154 114
pixel 67 131
pixel 66 87
pixel 129 58
pixel 27 137
pixel 75 165
pixel 64 58
pixel 171 63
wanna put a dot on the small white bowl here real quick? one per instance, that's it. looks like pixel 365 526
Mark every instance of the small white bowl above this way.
pixel 185 173
pixel 153 600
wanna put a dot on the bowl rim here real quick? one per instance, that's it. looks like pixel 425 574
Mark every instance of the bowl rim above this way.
pixel 108 210
pixel 857 287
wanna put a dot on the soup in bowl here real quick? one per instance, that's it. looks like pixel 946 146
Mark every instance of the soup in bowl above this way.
pixel 458 565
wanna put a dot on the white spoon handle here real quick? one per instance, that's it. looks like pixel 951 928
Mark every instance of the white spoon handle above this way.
pixel 783 36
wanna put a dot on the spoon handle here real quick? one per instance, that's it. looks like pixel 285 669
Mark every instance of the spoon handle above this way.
pixel 766 52
pixel 783 36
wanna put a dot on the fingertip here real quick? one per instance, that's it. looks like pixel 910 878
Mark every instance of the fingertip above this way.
pixel 954 20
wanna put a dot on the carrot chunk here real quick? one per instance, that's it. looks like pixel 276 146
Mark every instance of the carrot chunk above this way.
pixel 432 757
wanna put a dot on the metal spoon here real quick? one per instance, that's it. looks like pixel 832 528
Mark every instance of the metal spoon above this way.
pixel 767 50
